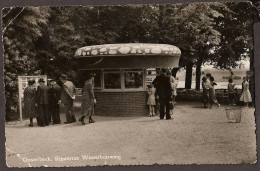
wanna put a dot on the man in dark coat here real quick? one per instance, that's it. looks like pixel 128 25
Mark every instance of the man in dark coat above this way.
pixel 54 98
pixel 42 102
pixel 163 89
pixel 68 93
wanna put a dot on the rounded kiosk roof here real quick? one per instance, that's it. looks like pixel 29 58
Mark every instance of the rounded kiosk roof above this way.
pixel 128 49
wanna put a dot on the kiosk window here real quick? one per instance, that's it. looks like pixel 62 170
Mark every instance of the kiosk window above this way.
pixel 133 79
pixel 112 80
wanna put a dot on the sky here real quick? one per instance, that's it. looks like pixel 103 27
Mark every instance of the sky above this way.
pixel 245 62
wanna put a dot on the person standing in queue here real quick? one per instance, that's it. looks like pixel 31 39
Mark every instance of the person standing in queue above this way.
pixel 88 99
pixel 29 101
pixel 151 99
pixel 173 88
pixel 42 101
pixel 163 88
pixel 54 98
pixel 68 94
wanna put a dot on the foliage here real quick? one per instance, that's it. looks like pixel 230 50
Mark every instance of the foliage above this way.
pixel 236 44
pixel 21 27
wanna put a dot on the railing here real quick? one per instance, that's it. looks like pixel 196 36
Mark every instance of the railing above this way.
pixel 194 95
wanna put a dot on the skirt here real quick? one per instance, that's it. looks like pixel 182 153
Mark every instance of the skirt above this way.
pixel 246 96
pixel 151 100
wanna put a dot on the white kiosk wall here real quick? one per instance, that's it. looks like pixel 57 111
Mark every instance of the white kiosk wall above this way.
pixel 22 84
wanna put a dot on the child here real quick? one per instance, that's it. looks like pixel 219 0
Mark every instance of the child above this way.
pixel 246 95
pixel 151 99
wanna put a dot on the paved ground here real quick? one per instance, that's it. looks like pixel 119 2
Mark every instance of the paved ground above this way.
pixel 195 135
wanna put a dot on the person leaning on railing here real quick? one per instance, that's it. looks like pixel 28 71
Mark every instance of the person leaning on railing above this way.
pixel 231 92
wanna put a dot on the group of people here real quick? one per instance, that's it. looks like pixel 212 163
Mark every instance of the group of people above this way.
pixel 44 102
pixel 208 93
pixel 245 94
pixel 209 97
pixel 163 91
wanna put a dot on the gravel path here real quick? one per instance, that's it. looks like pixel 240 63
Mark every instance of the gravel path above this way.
pixel 195 135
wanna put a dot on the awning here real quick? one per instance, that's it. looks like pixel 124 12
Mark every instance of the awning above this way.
pixel 130 55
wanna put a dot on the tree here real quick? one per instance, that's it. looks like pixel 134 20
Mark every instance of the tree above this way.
pixel 236 36
pixel 188 26
pixel 235 39
pixel 21 26
pixel 70 28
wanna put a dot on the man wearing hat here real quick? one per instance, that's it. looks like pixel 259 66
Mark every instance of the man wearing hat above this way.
pixel 54 98
pixel 68 93
pixel 42 101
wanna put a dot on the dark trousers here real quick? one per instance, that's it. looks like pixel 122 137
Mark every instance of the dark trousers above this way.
pixel 205 98
pixel 231 98
pixel 68 109
pixel 54 109
pixel 164 104
pixel 157 106
pixel 43 118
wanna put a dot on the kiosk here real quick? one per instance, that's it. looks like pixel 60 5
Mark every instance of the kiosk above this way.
pixel 120 82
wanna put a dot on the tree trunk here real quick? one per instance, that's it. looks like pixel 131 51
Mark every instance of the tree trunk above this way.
pixel 198 74
pixel 188 79
pixel 251 78
pixel 174 72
